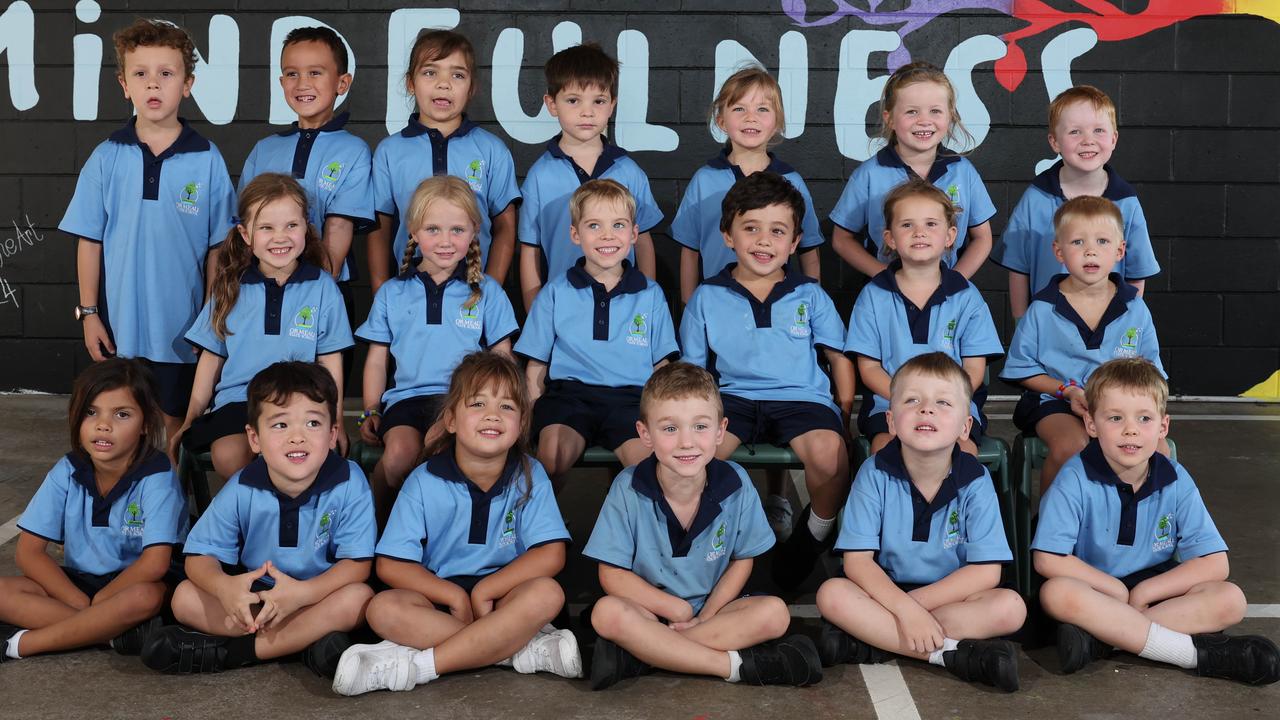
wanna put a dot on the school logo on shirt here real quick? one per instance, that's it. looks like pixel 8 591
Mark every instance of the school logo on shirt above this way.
pixel 329 176
pixel 949 335
pixel 188 197
pixel 953 192
pixel 800 325
pixel 322 530
pixel 1164 534
pixel 637 331
pixel 1128 346
pixel 953 537
pixel 717 545
pixel 508 529
pixel 304 323
pixel 475 172
pixel 133 522
pixel 469 316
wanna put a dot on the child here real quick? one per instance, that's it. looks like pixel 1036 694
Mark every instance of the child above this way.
pixel 759 327
pixel 270 302
pixel 1131 556
pixel 582 91
pixel 1082 129
pixel 440 140
pixel 277 563
pixel 331 164
pixel 150 203
pixel 748 109
pixel 923 543
pixel 917 112
pixel 474 542
pixel 676 540
pixel 1077 322
pixel 428 318
pixel 593 337
pixel 115 506
pixel 919 305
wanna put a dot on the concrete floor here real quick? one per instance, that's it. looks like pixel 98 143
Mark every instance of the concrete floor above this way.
pixel 1232 449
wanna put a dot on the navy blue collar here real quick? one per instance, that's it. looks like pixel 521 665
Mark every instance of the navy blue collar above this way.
pixel 1050 182
pixel 332 473
pixel 888 157
pixel 82 473
pixel 722 481
pixel 304 272
pixel 445 466
pixel 1092 337
pixel 416 128
pixel 964 470
pixel 188 140
pixel 459 273
pixel 1160 472
pixel 337 122
pixel 721 162
pixel 609 154
pixel 761 310
pixel 952 283
pixel 632 280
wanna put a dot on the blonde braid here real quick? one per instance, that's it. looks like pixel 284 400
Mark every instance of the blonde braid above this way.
pixel 475 273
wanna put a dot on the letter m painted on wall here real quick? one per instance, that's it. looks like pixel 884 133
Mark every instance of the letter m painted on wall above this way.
pixel 17 38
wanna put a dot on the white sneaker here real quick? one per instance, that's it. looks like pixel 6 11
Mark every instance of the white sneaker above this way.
pixel 778 510
pixel 553 652
pixel 364 668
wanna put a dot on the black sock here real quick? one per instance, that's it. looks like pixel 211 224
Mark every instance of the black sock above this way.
pixel 240 651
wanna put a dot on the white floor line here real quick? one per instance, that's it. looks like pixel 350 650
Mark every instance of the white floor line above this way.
pixel 1262 611
pixel 889 693
pixel 1214 418
pixel 9 530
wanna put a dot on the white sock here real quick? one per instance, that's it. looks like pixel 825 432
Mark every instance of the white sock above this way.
pixel 820 528
pixel 1169 646
pixel 735 666
pixel 11 649
pixel 935 657
pixel 424 662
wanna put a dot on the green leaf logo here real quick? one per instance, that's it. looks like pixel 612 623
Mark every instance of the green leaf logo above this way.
pixel 190 193
pixel 332 171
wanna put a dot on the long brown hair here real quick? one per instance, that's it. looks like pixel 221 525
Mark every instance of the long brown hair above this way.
pixel 235 254
pixel 113 374
pixel 455 191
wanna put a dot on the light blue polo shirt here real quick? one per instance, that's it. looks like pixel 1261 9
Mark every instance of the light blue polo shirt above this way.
pixel 921 541
pixel 101 535
pixel 300 320
pixel 250 522
pixel 596 336
pixel 697 222
pixel 1027 243
pixel 156 218
pixel 888 327
pixel 453 528
pixel 1052 339
pixel 429 329
pixel 638 531
pixel 1092 514
pixel 333 166
pixel 402 161
pixel 763 350
pixel 860 209
pixel 544 212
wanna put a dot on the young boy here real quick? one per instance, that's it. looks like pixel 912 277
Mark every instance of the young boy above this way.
pixel 593 337
pixel 758 326
pixel 1082 129
pixel 1077 322
pixel 277 563
pixel 676 540
pixel 150 203
pixel 332 164
pixel 923 543
pixel 1131 558
pixel 582 91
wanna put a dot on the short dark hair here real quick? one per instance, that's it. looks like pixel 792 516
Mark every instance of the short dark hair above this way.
pixel 144 32
pixel 760 190
pixel 321 35
pixel 113 374
pixel 280 381
pixel 586 65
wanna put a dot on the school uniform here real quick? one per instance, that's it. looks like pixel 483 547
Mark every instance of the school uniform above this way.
pixel 1026 246
pixel 156 217
pixel 638 531
pixel 331 164
pixel 600 347
pixel 250 522
pixel 544 211
pixel 461 533
pixel 1092 514
pixel 101 536
pixel 764 355
pixel 402 161
pixel 428 329
pixel 918 542
pixel 887 327
pixel 300 320
pixel 697 222
pixel 860 209
pixel 1052 339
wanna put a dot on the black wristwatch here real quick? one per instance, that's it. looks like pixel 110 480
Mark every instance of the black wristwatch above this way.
pixel 83 311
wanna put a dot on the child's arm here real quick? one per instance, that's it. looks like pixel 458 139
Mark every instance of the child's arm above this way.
pixel 690 273
pixel 852 251
pixel 375 383
pixel 536 374
pixel 1019 293
pixel 874 378
pixel 502 244
pixel 1049 386
pixel 88 273
pixel 1141 285
pixel 379 252
pixel 408 575
pixel 846 384
pixel 530 274
pixel 150 567
pixel 333 363
pixel 811 264
pixel 917 624
pixel 976 369
pixel 232 591
pixel 34 562
pixel 977 246
pixel 208 368
pixel 727 589
pixel 646 258
pixel 543 561
pixel 960 584
pixel 1176 582
pixel 1051 565
pixel 338 230
pixel 627 584
pixel 290 595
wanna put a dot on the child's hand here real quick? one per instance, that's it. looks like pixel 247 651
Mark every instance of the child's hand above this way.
pixel 460 605
pixel 281 601
pixel 237 599
pixel 482 601
pixel 688 624
pixel 343 441
pixel 96 339
pixel 175 443
pixel 79 601
pixel 1075 396
pixel 919 628
pixel 369 430
pixel 683 613
pixel 1117 590
pixel 1139 599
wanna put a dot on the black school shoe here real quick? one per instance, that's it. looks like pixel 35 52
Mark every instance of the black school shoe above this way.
pixel 171 649
pixel 1250 659
pixel 1077 648
pixel 991 662
pixel 792 660
pixel 835 647
pixel 321 657
pixel 610 664
pixel 796 557
pixel 131 641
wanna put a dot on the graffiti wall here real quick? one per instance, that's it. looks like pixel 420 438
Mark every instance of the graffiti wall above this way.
pixel 1196 82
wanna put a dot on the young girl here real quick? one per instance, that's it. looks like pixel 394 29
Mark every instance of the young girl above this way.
pixel 440 140
pixel 115 506
pixel 917 112
pixel 271 301
pixel 428 317
pixel 918 305
pixel 479 592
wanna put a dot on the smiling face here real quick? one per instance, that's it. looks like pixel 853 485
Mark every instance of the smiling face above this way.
pixel 441 88
pixel 1085 137
pixel 605 232
pixel 919 233
pixel 751 121
pixel 763 240
pixel 155 81
pixel 1090 247
pixel 444 236
pixel 583 111
pixel 1128 426
pixel 928 413
pixel 277 235
pixel 111 428
pixel 311 83
pixel 921 116
pixel 487 424
pixel 683 434
pixel 294 440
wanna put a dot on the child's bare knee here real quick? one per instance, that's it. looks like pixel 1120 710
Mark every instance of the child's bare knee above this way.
pixel 608 616
pixel 1060 597
pixel 350 604
pixel 186 602
pixel 775 618
pixel 1010 609
pixel 1230 603
pixel 832 595
pixel 548 596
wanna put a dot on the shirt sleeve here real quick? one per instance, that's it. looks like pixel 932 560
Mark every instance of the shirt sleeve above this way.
pixel 164 507
pixel 357 531
pixel 384 198
pixel 693 330
pixel 978 336
pixel 662 340
pixel 86 215
pixel 376 327
pixel 863 515
pixel 353 197
pixel 863 337
pixel 613 538
pixel 47 509
pixel 1139 257
pixel 754 537
pixel 1023 360
pixel 686 226
pixel 250 170
pixel 1148 343
pixel 530 212
pixel 499 319
pixel 812 236
pixel 985 539
pixel 539 520
pixel 335 328
pixel 405 537
pixel 1197 535
pixel 1062 513
pixel 647 213
pixel 202 335
pixel 501 188
pixel 1018 238
pixel 538 335
pixel 850 211
pixel 222 210
pixel 825 323
pixel 980 209
pixel 217 532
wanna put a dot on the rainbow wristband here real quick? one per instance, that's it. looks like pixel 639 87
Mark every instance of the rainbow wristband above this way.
pixel 1062 389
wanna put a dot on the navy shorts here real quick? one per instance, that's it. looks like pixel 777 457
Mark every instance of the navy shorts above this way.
pixel 91 584
pixel 1029 411
pixel 419 413
pixel 776 422
pixel 601 415
pixel 466 582
pixel 258 585
pixel 173 385
pixel 229 419
pixel 1131 581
